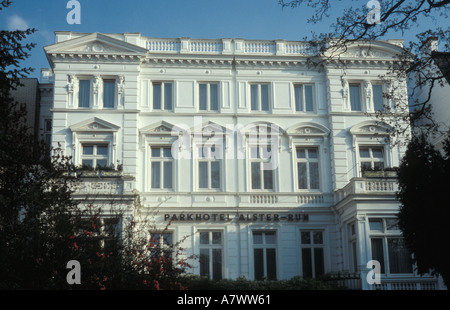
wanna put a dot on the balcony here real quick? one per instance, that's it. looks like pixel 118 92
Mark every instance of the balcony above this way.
pixel 369 185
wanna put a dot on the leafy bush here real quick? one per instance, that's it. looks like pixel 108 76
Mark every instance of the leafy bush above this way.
pixel 193 282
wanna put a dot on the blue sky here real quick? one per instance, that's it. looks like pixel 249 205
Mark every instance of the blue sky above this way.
pixel 249 19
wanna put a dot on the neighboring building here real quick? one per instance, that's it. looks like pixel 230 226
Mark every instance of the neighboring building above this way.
pixel 270 181
pixel 437 95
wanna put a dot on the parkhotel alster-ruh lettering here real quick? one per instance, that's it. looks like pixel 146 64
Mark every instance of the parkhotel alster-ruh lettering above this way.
pixel 224 217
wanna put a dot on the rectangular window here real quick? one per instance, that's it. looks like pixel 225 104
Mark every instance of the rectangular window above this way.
pixel 95 155
pixel 109 87
pixel 84 93
pixel 308 168
pixel 312 253
pixel 265 255
pixel 355 97
pixel 161 244
pixel 211 243
pixel 161 168
pixel 48 132
pixel 259 94
pixel 261 177
pixel 209 96
pixel 378 101
pixel 162 96
pixel 209 168
pixel 304 98
pixel 388 247
pixel 372 158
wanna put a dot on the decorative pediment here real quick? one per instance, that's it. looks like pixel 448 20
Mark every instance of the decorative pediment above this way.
pixel 383 50
pixel 94 125
pixel 158 128
pixel 370 128
pixel 210 128
pixel 308 129
pixel 95 43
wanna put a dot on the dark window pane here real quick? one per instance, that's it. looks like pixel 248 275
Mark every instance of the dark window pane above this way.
pixel 302 176
pixel 306 237
pixel 167 174
pixel 88 150
pixel 377 97
pixel 265 97
pixel 270 238
pixel 216 237
pixel 268 179
pixel 156 175
pixel 203 174
pixel 377 252
pixel 257 238
pixel 355 98
pixel 298 93
pixel 203 97
pixel 87 162
pixel 214 95
pixel 102 163
pixel 271 264
pixel 84 93
pixel 307 263
pixel 167 152
pixel 256 176
pixel 215 174
pixel 168 96
pixel 309 98
pixel 314 175
pixel 254 97
pixel 318 262
pixel 317 237
pixel 108 93
pixel 217 264
pixel 204 262
pixel 259 263
pixel 156 152
pixel 102 150
pixel 399 256
pixel 204 237
pixel 157 96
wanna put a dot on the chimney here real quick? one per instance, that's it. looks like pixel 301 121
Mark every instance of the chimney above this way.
pixel 429 46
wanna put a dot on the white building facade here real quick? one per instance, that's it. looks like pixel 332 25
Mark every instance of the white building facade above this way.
pixel 254 158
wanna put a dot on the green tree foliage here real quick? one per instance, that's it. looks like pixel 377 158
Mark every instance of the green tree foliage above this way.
pixel 43 227
pixel 424 215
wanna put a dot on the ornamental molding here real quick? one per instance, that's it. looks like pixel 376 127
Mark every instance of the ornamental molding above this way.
pixel 94 125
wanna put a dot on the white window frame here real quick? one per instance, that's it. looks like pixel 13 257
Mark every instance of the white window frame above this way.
pixel 265 246
pixel 361 98
pixel 269 101
pixel 303 103
pixel 109 79
pixel 312 245
pixel 209 159
pixel 88 79
pixel 95 157
pixel 161 160
pixel 208 96
pixel 371 159
pixel 385 234
pixel 163 93
pixel 383 90
pixel 308 160
pixel 211 247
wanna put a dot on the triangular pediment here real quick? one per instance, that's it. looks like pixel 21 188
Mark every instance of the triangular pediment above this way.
pixel 210 128
pixel 95 43
pixel 94 125
pixel 161 127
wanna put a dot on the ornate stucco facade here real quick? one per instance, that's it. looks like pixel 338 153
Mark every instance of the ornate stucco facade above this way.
pixel 242 147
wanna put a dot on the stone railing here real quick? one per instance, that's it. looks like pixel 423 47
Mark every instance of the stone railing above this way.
pixel 229 47
pixel 367 186
pixel 411 285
